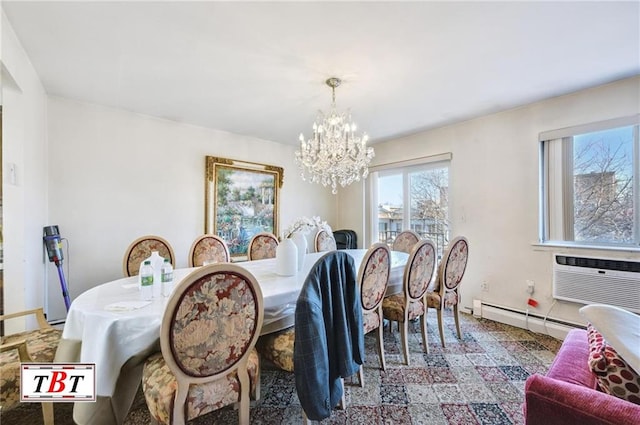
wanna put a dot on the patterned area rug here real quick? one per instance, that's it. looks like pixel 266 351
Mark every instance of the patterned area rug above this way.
pixel 476 380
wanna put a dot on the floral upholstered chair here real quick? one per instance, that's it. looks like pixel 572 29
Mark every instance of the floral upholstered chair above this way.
pixel 373 278
pixel 405 241
pixel 277 347
pixel 324 241
pixel 207 337
pixel 262 245
pixel 211 248
pixel 444 291
pixel 142 248
pixel 35 346
pixel 401 308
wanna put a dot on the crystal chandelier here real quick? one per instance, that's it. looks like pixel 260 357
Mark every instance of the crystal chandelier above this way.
pixel 335 154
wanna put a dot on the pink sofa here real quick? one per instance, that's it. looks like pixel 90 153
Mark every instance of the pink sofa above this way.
pixel 569 392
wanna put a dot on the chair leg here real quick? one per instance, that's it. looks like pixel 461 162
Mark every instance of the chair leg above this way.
pixel 405 342
pixel 179 405
pixel 380 333
pixel 423 326
pixel 361 376
pixel 245 391
pixel 256 390
pixel 243 411
pixel 440 326
pixel 47 413
pixel 455 316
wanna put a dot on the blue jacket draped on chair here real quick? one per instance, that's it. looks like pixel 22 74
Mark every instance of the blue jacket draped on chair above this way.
pixel 329 339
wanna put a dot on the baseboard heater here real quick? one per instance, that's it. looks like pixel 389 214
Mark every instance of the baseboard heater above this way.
pixel 588 280
pixel 530 321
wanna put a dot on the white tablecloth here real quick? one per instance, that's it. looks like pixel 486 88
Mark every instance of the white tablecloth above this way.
pixel 109 338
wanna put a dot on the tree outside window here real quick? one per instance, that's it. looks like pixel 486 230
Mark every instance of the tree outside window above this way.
pixel 590 179
pixel 603 190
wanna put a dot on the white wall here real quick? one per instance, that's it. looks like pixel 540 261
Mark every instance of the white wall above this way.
pixel 116 175
pixel 494 190
pixel 351 210
pixel 25 201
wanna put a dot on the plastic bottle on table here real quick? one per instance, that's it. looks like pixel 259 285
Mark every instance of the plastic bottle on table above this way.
pixel 156 263
pixel 146 281
pixel 167 278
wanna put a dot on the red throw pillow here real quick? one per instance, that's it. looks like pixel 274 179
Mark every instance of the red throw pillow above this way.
pixel 615 376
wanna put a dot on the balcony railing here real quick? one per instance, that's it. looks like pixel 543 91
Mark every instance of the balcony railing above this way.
pixel 440 239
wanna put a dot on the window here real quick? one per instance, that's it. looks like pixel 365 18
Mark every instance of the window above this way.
pixel 590 185
pixel 413 197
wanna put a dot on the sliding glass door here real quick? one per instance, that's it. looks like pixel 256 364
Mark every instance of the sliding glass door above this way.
pixel 415 198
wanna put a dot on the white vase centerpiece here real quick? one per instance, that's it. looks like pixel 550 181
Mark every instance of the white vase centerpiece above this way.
pixel 298 231
pixel 286 258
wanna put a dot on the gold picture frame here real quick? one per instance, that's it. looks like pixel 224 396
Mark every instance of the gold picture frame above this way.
pixel 241 199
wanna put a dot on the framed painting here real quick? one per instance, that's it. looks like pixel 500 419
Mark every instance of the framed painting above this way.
pixel 241 200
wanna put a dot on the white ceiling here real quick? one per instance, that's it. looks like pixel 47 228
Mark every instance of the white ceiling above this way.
pixel 258 69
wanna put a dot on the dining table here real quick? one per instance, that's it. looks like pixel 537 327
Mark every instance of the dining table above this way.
pixel 110 326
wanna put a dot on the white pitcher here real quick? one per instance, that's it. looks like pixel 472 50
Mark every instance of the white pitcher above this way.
pixel 286 258
pixel 301 243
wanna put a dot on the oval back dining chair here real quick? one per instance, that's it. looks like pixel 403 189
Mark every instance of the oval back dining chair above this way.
pixel 444 291
pixel 209 329
pixel 210 248
pixel 25 347
pixel 142 248
pixel 373 279
pixel 405 241
pixel 262 245
pixel 324 241
pixel 401 308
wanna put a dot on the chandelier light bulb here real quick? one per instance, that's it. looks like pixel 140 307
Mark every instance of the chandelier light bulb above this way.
pixel 335 154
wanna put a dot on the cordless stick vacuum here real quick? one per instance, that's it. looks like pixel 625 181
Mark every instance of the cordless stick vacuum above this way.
pixel 53 242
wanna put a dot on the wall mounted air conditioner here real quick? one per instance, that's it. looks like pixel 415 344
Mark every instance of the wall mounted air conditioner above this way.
pixel 588 280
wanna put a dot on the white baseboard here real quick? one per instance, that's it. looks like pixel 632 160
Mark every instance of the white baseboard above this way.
pixel 520 319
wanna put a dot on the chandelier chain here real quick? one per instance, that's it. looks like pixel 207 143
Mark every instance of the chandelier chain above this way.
pixel 333 82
